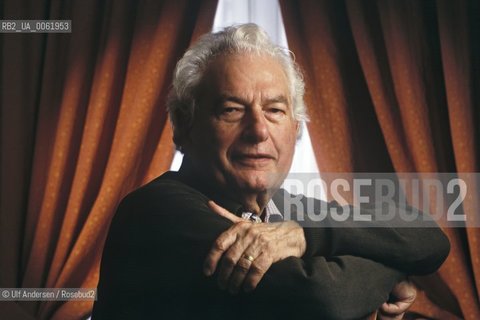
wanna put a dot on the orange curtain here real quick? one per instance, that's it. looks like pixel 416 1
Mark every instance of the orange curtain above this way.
pixel 394 86
pixel 83 122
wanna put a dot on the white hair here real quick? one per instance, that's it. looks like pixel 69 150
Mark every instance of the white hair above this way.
pixel 190 69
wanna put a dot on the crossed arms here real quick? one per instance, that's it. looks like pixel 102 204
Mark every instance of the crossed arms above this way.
pixel 161 235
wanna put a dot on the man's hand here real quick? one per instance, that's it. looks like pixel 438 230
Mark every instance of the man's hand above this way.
pixel 402 297
pixel 242 254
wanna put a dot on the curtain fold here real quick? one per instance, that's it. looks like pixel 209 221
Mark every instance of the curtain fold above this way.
pixel 459 32
pixel 98 128
pixel 416 63
pixel 329 126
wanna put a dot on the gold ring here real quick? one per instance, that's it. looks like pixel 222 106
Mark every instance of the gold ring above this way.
pixel 248 257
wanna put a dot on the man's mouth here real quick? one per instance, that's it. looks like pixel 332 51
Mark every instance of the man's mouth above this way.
pixel 253 159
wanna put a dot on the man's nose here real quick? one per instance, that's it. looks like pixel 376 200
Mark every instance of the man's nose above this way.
pixel 256 127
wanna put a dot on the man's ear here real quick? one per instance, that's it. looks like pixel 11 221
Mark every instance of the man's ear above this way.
pixel 182 139
pixel 299 128
pixel 179 140
pixel 181 131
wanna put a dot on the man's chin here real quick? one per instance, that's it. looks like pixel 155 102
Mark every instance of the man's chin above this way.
pixel 258 184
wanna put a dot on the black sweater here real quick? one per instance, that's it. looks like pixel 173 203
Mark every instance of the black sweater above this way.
pixel 158 240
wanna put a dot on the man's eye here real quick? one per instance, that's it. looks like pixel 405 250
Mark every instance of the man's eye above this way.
pixel 275 113
pixel 228 110
pixel 275 110
pixel 231 113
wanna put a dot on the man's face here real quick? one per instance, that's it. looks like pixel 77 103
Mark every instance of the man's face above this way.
pixel 244 134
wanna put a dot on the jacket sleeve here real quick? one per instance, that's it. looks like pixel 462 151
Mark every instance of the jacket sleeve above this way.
pixel 163 247
pixel 338 287
pixel 415 247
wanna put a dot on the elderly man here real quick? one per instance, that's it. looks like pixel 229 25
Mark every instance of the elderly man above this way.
pixel 179 248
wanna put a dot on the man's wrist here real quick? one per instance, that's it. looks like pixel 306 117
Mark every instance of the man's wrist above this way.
pixel 302 245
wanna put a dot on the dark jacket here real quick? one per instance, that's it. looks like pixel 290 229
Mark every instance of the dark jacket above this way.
pixel 158 240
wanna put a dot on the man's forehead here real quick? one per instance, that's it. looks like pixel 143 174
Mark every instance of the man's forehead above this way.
pixel 241 64
pixel 240 75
